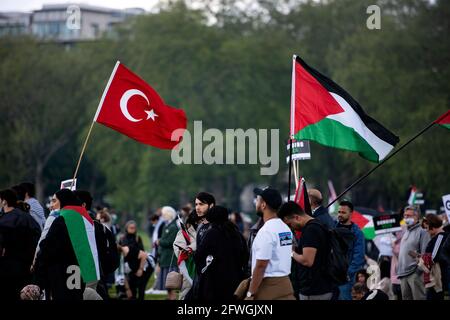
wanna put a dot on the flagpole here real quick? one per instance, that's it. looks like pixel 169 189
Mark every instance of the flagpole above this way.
pixel 382 162
pixel 290 168
pixel 295 174
pixel 81 154
pixel 95 119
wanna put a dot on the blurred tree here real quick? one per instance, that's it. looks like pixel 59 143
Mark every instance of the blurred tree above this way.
pixel 229 65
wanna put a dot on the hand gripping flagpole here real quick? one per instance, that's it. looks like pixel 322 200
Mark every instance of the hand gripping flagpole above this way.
pixel 383 162
pixel 93 121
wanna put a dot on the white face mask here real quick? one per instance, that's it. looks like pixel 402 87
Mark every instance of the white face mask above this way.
pixel 409 221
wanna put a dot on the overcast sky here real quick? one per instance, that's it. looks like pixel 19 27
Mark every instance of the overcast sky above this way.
pixel 29 5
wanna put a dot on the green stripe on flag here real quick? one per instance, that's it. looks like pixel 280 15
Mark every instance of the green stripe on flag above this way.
pixel 447 125
pixel 332 133
pixel 80 243
pixel 369 233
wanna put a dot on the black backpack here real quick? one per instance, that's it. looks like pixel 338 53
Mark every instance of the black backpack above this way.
pixel 341 240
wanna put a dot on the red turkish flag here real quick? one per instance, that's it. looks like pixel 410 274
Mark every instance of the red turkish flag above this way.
pixel 129 105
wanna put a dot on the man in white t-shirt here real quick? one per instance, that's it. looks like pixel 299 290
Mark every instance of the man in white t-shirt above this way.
pixel 271 252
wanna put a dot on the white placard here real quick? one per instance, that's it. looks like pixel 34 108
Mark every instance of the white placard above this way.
pixel 446 201
pixel 67 184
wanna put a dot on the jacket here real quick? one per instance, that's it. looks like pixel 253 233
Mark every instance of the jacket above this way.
pixel 321 214
pixel 218 280
pixel 356 254
pixel 181 242
pixel 165 250
pixel 414 239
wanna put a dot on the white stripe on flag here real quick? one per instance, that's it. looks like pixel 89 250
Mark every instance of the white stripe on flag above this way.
pixel 351 119
pixel 90 232
pixel 106 90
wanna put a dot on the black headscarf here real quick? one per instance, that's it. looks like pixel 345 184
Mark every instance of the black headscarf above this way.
pixel 217 214
pixel 218 217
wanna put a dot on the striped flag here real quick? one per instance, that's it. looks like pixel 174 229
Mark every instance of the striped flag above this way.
pixel 82 236
pixel 412 196
pixel 324 112
pixel 444 120
pixel 365 223
pixel 301 196
pixel 186 258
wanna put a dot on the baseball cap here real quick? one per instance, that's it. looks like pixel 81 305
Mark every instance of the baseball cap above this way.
pixel 271 196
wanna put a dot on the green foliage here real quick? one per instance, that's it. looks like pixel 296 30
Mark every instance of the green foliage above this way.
pixel 232 74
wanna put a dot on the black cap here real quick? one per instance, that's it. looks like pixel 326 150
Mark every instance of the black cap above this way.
pixel 271 196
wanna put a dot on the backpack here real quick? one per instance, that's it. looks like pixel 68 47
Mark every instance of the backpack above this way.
pixel 340 240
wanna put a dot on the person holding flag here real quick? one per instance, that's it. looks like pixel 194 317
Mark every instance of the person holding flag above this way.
pixel 184 247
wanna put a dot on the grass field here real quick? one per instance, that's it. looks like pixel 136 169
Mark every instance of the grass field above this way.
pixel 147 247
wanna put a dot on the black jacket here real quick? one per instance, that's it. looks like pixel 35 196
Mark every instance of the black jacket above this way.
pixel 19 235
pixel 223 275
pixel 56 254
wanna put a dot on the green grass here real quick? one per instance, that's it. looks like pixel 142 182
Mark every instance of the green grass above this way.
pixel 147 246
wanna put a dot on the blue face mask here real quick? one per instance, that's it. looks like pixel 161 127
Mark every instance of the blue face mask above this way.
pixel 409 221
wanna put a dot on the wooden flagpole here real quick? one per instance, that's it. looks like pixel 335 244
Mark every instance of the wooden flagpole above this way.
pixel 82 153
pixel 94 120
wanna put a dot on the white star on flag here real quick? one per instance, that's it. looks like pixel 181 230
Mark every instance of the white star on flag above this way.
pixel 151 114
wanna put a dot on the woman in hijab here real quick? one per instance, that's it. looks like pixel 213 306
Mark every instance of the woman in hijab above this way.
pixel 220 258
pixel 131 238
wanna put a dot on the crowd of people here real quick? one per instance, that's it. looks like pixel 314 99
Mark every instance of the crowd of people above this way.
pixel 204 252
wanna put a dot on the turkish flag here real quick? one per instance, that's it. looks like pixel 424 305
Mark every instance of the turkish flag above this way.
pixel 130 106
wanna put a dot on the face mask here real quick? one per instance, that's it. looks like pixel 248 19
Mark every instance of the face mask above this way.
pixel 409 221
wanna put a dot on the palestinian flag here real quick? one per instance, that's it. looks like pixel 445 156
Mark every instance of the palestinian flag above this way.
pixel 412 196
pixel 185 260
pixel 324 112
pixel 301 196
pixel 365 223
pixel 444 120
pixel 82 236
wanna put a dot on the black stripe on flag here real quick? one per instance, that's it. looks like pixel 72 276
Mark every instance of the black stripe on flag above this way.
pixel 374 126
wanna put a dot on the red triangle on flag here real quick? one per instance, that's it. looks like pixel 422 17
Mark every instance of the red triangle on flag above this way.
pixel 359 219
